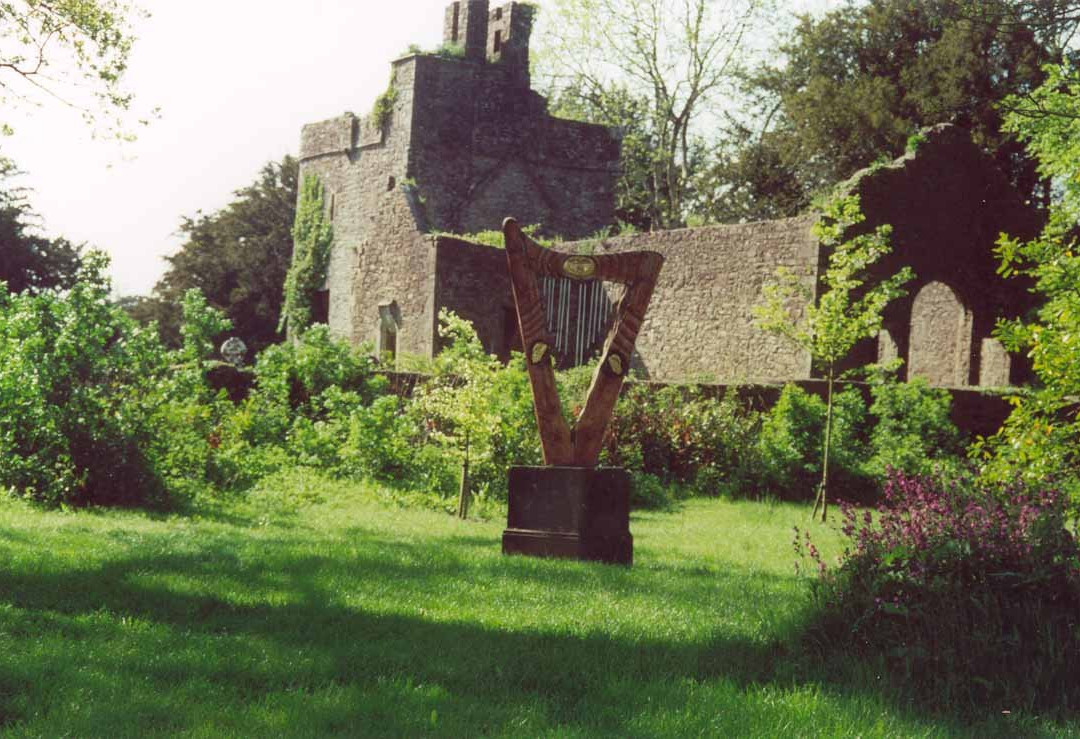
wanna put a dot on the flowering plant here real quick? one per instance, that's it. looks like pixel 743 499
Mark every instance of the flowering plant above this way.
pixel 964 592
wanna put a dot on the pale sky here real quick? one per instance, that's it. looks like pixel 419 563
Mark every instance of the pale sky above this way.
pixel 235 81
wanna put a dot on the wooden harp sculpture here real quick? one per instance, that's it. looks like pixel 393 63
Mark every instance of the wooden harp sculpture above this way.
pixel 570 508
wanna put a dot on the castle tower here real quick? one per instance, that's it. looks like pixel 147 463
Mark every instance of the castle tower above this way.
pixel 466 24
pixel 458 143
pixel 508 32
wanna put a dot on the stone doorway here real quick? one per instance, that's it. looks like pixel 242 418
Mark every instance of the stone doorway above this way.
pixel 939 349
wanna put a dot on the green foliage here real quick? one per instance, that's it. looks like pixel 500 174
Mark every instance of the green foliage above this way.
pixel 914 142
pixel 639 204
pixel 1041 437
pixel 472 403
pixel 791 440
pixel 495 238
pixel 383 109
pixel 658 69
pixel 313 238
pixel 29 261
pixel 450 51
pixel 303 411
pixel 680 435
pixel 851 302
pixel 848 310
pixel 78 381
pixel 72 52
pixel 965 596
pixel 856 83
pixel 237 257
pixel 913 431
pixel 202 325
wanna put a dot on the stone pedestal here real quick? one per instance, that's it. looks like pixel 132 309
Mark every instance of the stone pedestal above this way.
pixel 576 512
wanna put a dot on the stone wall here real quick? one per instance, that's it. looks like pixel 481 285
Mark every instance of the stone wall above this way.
pixel 483 147
pixel 379 255
pixel 472 281
pixel 700 324
pixel 468 144
pixel 947 202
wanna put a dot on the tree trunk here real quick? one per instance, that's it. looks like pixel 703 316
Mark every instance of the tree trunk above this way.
pixel 463 493
pixel 823 488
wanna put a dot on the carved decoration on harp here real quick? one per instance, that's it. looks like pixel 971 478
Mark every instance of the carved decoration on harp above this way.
pixel 529 263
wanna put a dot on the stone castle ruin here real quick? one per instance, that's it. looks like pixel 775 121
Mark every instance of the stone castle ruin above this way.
pixel 461 141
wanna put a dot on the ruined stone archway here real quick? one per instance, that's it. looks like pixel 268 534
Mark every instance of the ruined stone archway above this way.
pixel 939 348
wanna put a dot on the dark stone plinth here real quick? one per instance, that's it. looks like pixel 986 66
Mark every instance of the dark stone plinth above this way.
pixel 576 512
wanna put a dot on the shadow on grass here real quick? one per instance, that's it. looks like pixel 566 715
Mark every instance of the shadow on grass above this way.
pixel 270 630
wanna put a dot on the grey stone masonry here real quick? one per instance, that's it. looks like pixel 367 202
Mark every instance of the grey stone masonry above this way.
pixel 465 143
pixel 466 25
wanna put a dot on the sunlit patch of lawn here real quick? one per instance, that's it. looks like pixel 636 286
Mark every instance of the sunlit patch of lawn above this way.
pixel 314 608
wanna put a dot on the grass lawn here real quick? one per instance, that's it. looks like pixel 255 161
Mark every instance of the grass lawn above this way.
pixel 315 608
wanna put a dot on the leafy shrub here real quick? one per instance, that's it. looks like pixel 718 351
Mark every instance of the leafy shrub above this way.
pixel 969 596
pixel 78 383
pixel 295 374
pixel 648 491
pixel 472 402
pixel 913 432
pixel 300 412
pixel 675 432
pixel 792 435
pixel 380 442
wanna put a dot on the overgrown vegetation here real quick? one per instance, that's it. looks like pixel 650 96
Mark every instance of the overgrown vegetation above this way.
pixel 383 109
pixel 495 237
pixel 965 597
pixel 848 310
pixel 1041 438
pixel 109 415
pixel 313 237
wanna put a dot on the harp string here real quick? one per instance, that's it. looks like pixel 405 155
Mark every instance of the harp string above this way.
pixel 575 318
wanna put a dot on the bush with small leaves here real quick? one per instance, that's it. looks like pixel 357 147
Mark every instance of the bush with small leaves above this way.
pixel 912 432
pixel 967 594
pixel 792 437
pixel 78 387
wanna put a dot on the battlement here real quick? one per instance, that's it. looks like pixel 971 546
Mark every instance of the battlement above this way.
pixel 496 36
pixel 466 24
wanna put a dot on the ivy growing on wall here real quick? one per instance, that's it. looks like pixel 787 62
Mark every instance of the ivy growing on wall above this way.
pixel 383 109
pixel 312 238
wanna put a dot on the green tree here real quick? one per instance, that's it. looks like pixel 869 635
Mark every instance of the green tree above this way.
pixel 660 65
pixel 78 382
pixel 1041 437
pixel 28 260
pixel 313 238
pixel 853 86
pixel 73 51
pixel 237 257
pixel 476 410
pixel 848 310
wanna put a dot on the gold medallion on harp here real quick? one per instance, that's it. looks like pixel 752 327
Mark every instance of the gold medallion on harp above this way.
pixel 539 351
pixel 615 364
pixel 579 268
